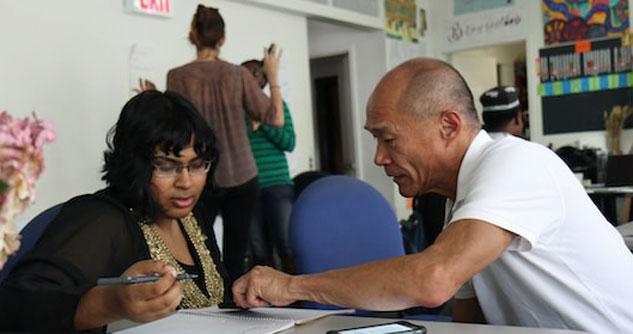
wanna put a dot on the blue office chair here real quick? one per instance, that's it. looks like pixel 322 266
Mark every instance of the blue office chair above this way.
pixel 30 234
pixel 339 221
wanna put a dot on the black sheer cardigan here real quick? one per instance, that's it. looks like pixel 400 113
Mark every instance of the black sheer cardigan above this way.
pixel 93 236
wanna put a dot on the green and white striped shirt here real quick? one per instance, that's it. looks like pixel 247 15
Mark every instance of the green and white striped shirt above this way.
pixel 268 145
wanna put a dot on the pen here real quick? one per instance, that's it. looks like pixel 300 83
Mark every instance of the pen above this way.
pixel 139 279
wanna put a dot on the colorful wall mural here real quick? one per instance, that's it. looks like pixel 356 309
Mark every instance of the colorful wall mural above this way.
pixel 573 20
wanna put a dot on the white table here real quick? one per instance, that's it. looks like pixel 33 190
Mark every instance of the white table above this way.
pixel 600 189
pixel 605 199
pixel 321 326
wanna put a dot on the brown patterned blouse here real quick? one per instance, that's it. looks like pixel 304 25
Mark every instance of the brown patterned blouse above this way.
pixel 224 93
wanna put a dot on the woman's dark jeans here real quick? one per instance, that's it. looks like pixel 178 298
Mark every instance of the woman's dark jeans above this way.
pixel 271 221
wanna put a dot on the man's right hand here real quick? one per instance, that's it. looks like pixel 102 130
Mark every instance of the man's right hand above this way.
pixel 262 286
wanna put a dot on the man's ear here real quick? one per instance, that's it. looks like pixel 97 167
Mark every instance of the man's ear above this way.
pixel 220 42
pixel 451 124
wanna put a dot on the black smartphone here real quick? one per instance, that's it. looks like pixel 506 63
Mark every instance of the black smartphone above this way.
pixel 397 327
pixel 230 305
pixel 270 48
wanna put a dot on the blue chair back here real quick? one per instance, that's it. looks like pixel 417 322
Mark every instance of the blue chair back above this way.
pixel 339 221
pixel 30 234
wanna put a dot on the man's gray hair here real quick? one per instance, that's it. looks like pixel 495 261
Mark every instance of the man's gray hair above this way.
pixel 437 86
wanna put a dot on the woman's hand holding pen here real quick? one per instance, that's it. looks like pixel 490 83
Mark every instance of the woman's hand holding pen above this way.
pixel 141 302
pixel 147 301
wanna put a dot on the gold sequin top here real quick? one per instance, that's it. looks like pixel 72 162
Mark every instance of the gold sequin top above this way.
pixel 193 297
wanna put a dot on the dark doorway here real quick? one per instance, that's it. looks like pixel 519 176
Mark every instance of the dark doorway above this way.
pixel 329 125
pixel 334 126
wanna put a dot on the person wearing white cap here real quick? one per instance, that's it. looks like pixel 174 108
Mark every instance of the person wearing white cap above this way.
pixel 502 111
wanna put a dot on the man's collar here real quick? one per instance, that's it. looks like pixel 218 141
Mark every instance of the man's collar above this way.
pixel 477 145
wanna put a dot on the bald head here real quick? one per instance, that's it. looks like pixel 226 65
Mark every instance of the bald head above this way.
pixel 425 87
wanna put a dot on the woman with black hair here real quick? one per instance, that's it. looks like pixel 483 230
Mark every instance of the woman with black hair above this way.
pixel 161 155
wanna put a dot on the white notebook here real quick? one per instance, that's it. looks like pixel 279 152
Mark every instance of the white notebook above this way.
pixel 215 320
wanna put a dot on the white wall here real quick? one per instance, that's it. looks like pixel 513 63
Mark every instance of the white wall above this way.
pixel 327 11
pixel 366 50
pixel 69 62
pixel 480 71
pixel 530 30
pixel 480 67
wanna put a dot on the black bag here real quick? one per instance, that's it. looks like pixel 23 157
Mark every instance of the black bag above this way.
pixel 424 224
pixel 420 231
pixel 413 233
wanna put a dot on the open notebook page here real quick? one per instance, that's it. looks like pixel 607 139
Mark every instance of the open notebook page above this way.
pixel 214 320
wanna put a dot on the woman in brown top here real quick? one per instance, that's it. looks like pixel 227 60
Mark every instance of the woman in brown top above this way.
pixel 224 93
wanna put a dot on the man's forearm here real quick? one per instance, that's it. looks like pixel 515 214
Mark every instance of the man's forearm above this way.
pixel 382 286
pixel 428 278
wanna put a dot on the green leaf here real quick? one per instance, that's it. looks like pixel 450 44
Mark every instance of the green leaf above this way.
pixel 3 186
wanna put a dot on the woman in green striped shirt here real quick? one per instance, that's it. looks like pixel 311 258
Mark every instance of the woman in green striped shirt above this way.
pixel 269 231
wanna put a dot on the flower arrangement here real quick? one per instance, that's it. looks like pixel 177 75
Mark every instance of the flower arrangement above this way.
pixel 21 163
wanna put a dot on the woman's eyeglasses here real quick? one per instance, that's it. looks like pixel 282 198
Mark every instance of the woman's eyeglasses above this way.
pixel 168 168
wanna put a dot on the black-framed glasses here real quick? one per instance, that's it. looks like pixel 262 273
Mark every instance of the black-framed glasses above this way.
pixel 169 168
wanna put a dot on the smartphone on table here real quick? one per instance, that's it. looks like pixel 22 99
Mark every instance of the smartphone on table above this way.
pixel 398 327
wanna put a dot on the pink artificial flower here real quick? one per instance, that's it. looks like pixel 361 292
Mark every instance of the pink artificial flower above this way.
pixel 42 133
pixel 21 163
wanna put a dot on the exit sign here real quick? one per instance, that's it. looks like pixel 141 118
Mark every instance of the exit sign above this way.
pixel 149 7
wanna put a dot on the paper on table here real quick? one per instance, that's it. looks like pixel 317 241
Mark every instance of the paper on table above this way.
pixel 299 316
pixel 258 320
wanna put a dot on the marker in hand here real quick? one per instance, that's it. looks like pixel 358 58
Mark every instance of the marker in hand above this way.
pixel 139 279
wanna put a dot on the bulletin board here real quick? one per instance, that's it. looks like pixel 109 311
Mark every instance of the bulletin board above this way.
pixel 582 80
pixel 582 112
